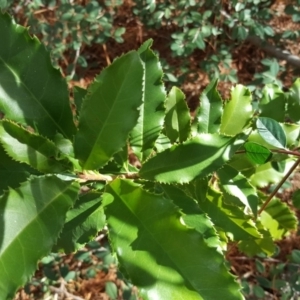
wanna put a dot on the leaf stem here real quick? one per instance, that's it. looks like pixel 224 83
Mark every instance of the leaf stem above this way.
pixel 282 181
pixel 94 176
pixel 282 151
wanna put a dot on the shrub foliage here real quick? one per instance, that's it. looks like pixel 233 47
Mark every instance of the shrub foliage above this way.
pixel 170 212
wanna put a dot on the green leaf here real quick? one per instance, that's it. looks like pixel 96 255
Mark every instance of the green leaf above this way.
pixel 237 112
pixel 32 92
pixel 79 94
pixel 193 216
pixel 12 173
pixel 294 101
pixel 109 111
pixel 238 186
pixel 278 218
pixel 273 103
pixel 177 120
pixel 82 224
pixel 198 157
pixel 265 174
pixel 146 232
pixel 271 132
pixel 34 150
pixel 257 153
pixel 150 122
pixel 31 218
pixel 264 244
pixel 292 132
pixel 208 115
pixel 231 219
pixel 162 143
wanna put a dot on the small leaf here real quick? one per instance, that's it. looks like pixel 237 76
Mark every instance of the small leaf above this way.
pixel 82 224
pixel 271 132
pixel 146 232
pixel 109 111
pixel 257 153
pixel 237 112
pixel 177 120
pixel 278 218
pixel 32 91
pixel 150 122
pixel 198 157
pixel 33 215
pixel 34 150
pixel 208 115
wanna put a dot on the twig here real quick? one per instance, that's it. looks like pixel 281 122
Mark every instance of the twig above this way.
pixel 93 176
pixel 108 61
pixel 62 291
pixel 282 181
pixel 77 53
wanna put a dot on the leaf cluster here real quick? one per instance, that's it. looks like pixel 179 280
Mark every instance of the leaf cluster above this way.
pixel 172 190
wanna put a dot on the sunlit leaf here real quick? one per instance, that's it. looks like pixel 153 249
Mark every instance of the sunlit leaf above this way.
pixel 32 91
pixel 237 111
pixel 109 111
pixel 34 215
pixel 208 115
pixel 146 232
pixel 273 103
pixel 150 122
pixel 32 149
pixel 278 218
pixel 197 157
pixel 271 132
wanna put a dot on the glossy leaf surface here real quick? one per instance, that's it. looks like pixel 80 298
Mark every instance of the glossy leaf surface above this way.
pixel 208 115
pixel 147 235
pixel 31 219
pixel 237 111
pixel 197 157
pixel 109 111
pixel 34 150
pixel 32 91
pixel 271 132
pixel 150 122
pixel 177 120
